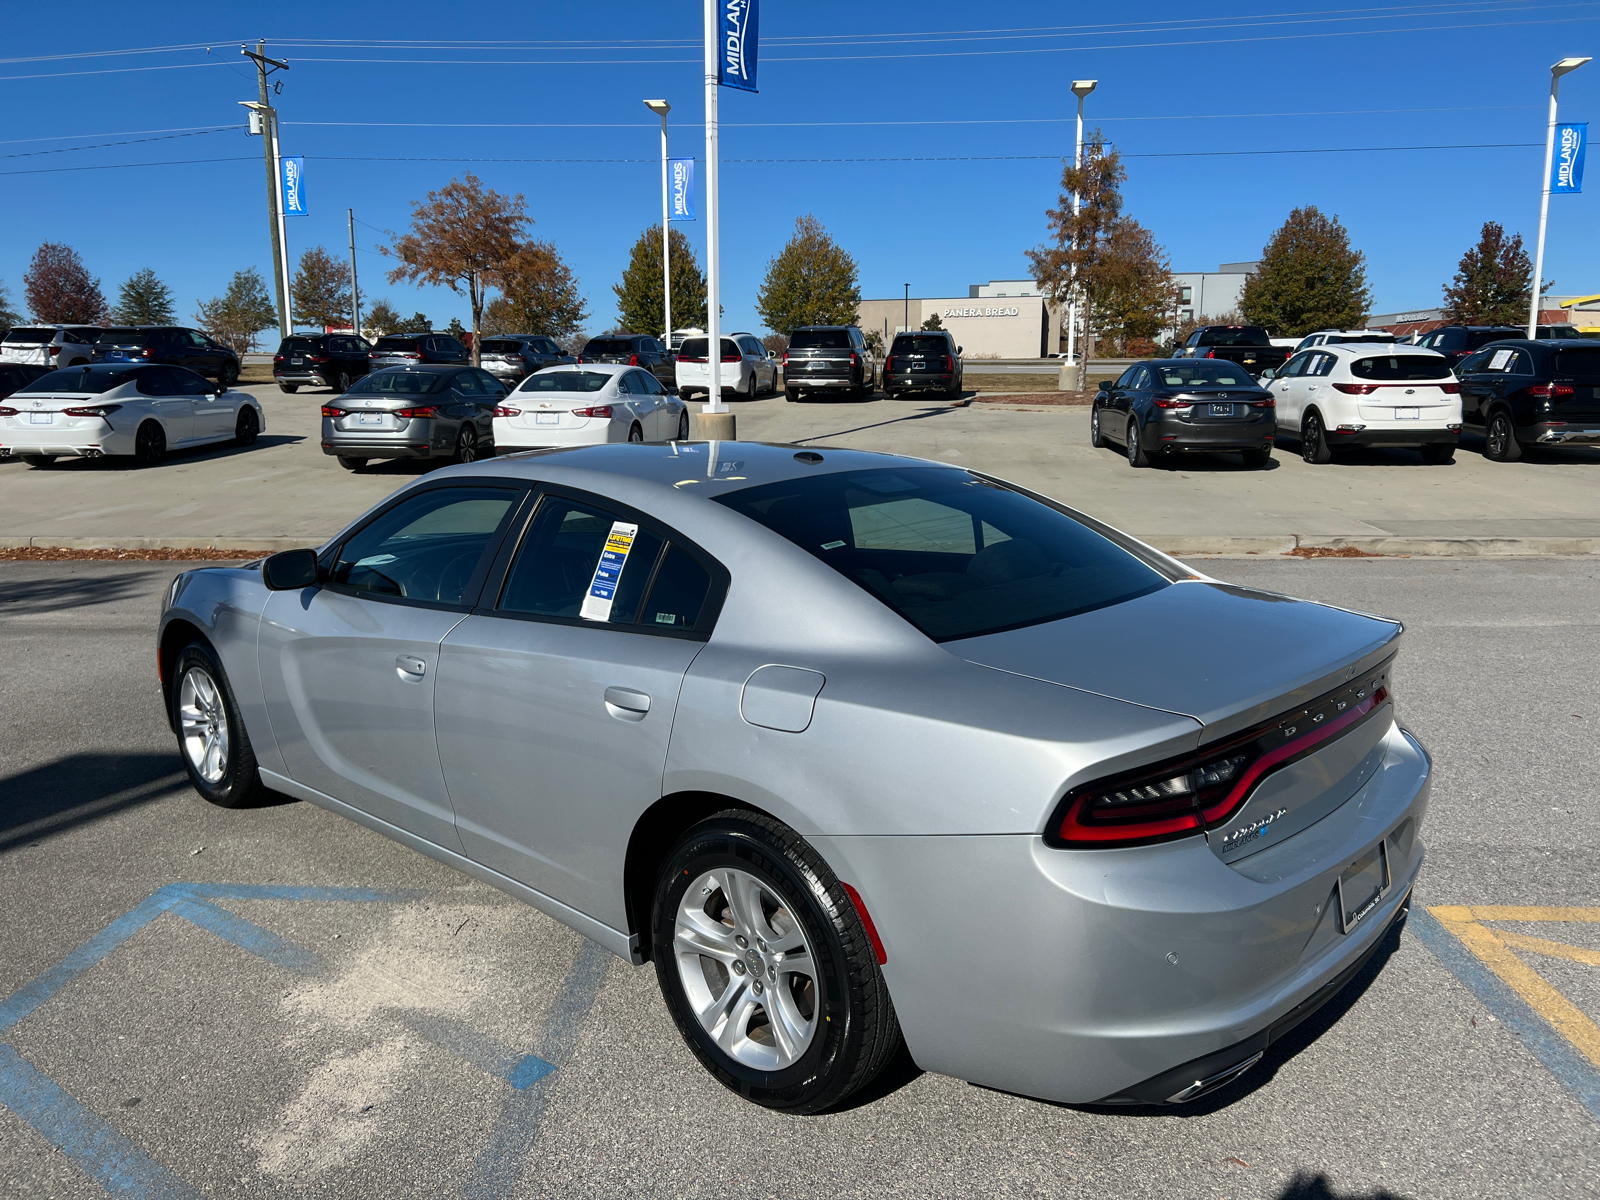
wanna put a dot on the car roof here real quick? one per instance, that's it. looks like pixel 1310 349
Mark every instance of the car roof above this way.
pixel 595 368
pixel 1364 349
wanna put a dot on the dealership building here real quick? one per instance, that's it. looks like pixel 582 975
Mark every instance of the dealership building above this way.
pixel 1004 318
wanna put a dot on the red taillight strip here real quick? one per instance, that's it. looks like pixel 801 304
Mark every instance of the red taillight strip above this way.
pixel 1074 830
pixel 866 923
pixel 1237 795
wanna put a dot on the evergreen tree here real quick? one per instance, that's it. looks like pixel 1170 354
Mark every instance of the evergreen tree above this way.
pixel 321 290
pixel 932 322
pixel 539 295
pixel 639 294
pixel 415 323
pixel 57 287
pixel 382 319
pixel 1309 279
pixel 144 300
pixel 1494 282
pixel 812 281
pixel 239 314
pixel 456 329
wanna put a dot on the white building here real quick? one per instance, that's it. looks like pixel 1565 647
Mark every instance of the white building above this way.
pixel 1004 318
pixel 1205 294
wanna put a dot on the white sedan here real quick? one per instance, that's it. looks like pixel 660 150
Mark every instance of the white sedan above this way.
pixel 121 409
pixel 585 405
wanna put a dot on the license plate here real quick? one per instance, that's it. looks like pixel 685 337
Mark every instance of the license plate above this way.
pixel 547 418
pixel 1222 410
pixel 1407 414
pixel 369 418
pixel 919 366
pixel 1363 885
pixel 297 360
pixel 40 418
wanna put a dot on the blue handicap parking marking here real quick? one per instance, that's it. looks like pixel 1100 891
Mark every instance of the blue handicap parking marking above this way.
pixel 108 1156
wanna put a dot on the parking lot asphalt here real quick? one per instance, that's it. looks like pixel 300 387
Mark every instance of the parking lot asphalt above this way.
pixel 275 1001
pixel 285 487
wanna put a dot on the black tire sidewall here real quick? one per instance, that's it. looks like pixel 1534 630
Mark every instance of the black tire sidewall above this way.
pixel 234 790
pixel 749 848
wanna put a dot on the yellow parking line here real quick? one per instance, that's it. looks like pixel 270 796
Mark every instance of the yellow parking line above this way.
pixel 1489 947
pixel 1552 949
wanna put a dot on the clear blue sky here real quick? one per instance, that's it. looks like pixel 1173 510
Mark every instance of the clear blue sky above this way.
pixel 967 80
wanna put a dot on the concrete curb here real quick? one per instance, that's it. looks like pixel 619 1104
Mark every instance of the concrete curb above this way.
pixel 1196 546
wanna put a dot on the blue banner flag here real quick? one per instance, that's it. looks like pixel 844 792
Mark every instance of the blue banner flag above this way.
pixel 737 36
pixel 294 186
pixel 1566 169
pixel 680 188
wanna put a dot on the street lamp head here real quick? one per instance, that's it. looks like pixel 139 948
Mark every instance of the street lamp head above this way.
pixel 1082 87
pixel 660 107
pixel 1567 64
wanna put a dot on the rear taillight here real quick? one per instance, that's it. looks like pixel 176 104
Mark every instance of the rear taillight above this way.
pixel 1269 402
pixel 599 410
pixel 1450 389
pixel 92 410
pixel 681 358
pixel 277 358
pixel 786 358
pixel 329 410
pixel 1174 403
pixel 1186 795
pixel 502 411
pixel 7 411
pixel 949 365
pixel 52 350
pixel 888 363
pixel 428 410
pixel 1550 391
pixel 854 358
pixel 1356 389
pixel 633 360
pixel 1209 354
pixel 147 353
pixel 730 358
pixel 580 358
pixel 318 358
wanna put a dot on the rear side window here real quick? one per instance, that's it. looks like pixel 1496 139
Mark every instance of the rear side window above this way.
pixel 1580 364
pixel 1401 367
pixel 919 345
pixel 426 547
pixel 820 339
pixel 954 554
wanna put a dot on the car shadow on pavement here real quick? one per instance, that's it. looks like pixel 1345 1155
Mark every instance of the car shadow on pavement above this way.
pixel 30 596
pixel 1318 1187
pixel 920 415
pixel 1216 464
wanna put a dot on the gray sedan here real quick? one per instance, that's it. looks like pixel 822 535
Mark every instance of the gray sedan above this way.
pixel 858 750
pixel 413 412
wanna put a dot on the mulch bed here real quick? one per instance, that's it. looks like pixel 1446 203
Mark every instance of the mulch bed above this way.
pixel 1331 552
pixel 155 554
pixel 1051 399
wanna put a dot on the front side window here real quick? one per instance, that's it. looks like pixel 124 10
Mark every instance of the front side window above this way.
pixel 954 554
pixel 1295 366
pixel 1401 367
pixel 425 548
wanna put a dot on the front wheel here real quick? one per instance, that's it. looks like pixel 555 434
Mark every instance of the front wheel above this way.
pixel 1437 454
pixel 1500 440
pixel 228 375
pixel 1314 446
pixel 766 966
pixel 683 426
pixel 215 748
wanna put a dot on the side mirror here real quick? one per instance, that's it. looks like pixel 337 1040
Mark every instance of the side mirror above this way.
pixel 290 570
pixel 1269 373
pixel 1106 385
pixel 960 350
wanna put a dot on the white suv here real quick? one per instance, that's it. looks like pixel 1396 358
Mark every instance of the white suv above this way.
pixel 1361 395
pixel 50 345
pixel 1345 337
pixel 748 368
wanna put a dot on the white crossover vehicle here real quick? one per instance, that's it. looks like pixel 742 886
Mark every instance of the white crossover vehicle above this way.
pixel 1360 395
pixel 748 368
pixel 50 345
pixel 112 409
pixel 586 405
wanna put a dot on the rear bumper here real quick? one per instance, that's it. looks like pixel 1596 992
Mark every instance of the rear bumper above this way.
pixel 302 378
pixel 355 448
pixel 1229 436
pixel 921 379
pixel 1390 436
pixel 93 442
pixel 1571 432
pixel 812 382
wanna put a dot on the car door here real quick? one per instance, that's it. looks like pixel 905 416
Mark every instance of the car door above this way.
pixel 1314 385
pixel 467 403
pixel 652 398
pixel 1476 385
pixel 167 402
pixel 349 668
pixel 1286 391
pixel 494 391
pixel 629 399
pixel 556 696
pixel 213 417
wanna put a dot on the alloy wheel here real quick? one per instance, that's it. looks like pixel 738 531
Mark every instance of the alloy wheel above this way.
pixel 149 444
pixel 636 434
pixel 342 383
pixel 747 969
pixel 467 445
pixel 204 724
pixel 683 426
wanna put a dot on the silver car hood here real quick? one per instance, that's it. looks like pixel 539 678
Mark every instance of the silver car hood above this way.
pixel 1226 656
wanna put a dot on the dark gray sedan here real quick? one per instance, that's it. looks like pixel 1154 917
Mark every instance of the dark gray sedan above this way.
pixel 413 412
pixel 1167 407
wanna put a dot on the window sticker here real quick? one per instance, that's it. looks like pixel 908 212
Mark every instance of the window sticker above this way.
pixel 1501 360
pixel 603 587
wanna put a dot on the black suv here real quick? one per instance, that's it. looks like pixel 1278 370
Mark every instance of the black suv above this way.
pixel 511 356
pixel 174 345
pixel 1531 393
pixel 409 349
pixel 330 360
pixel 636 350
pixel 1455 342
pixel 828 358
pixel 920 361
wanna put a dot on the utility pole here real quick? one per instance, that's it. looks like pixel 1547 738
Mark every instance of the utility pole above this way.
pixel 721 426
pixel 661 108
pixel 267 118
pixel 355 289
pixel 1556 72
pixel 1080 89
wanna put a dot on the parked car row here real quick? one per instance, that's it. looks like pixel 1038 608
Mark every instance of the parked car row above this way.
pixel 80 345
pixel 1338 394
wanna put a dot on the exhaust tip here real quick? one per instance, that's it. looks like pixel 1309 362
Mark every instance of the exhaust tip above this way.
pixel 1201 1087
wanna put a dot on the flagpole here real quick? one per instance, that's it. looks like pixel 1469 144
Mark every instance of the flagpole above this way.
pixel 720 424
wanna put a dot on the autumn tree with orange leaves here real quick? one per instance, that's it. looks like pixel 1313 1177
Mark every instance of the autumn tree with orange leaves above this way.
pixel 461 236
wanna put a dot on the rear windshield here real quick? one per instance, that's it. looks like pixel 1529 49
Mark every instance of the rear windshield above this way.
pixel 31 337
pixel 696 348
pixel 1402 367
pixel 123 337
pixel 92 380
pixel 397 343
pixel 401 383
pixel 565 381
pixel 1201 373
pixel 608 346
pixel 954 554
pixel 920 345
pixel 296 346
pixel 502 346
pixel 820 339
pixel 1360 339
pixel 1580 364
pixel 1243 335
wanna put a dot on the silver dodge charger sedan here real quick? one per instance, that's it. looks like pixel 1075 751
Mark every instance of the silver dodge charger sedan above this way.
pixel 852 747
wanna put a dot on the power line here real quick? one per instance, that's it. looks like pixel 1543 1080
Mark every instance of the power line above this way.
pixel 67 137
pixel 114 71
pixel 175 162
pixel 129 142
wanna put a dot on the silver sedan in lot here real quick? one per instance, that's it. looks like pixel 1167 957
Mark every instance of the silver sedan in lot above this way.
pixel 852 747
pixel 423 411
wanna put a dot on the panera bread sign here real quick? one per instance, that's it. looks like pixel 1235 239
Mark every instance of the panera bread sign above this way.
pixel 981 312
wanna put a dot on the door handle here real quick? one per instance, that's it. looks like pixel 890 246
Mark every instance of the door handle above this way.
pixel 626 704
pixel 409 667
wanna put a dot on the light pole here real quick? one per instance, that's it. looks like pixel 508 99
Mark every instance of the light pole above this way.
pixel 1080 88
pixel 661 108
pixel 1556 72
pixel 905 326
pixel 720 426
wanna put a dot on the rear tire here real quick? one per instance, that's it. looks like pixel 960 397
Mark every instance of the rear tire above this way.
pixel 247 428
pixel 351 464
pixel 291 388
pixel 838 1026
pixel 1500 439
pixel 149 445
pixel 1314 446
pixel 38 460
pixel 466 445
pixel 1136 455
pixel 793 395
pixel 212 741
pixel 635 434
pixel 1256 459
pixel 1437 454
pixel 228 375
